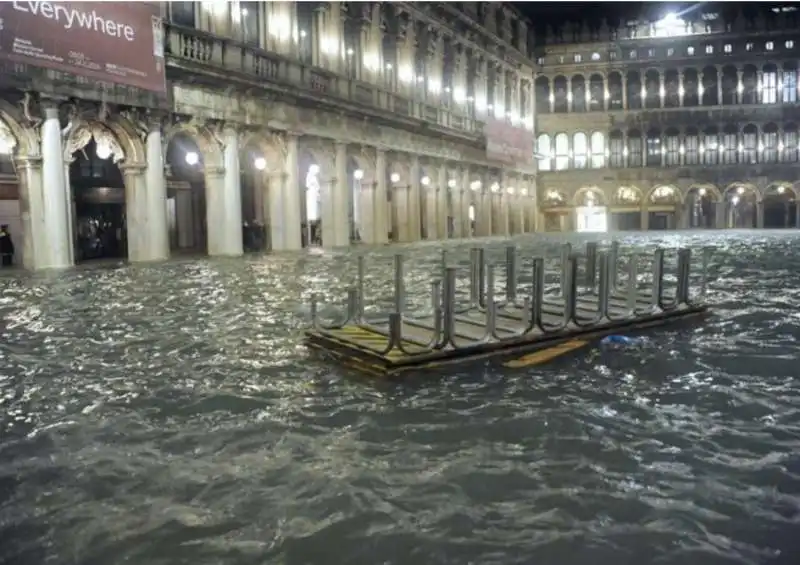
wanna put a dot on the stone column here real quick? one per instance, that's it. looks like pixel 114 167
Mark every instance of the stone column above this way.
pixel 442 204
pixel 484 212
pixel 291 201
pixel 797 215
pixel 54 218
pixel 146 204
pixel 414 195
pixel 29 173
pixel 466 201
pixel 760 215
pixel 503 197
pixel 520 202
pixel 457 212
pixel 366 195
pixel 645 219
pixel 431 218
pixel 341 198
pixel 380 199
pixel 719 215
pixel 224 201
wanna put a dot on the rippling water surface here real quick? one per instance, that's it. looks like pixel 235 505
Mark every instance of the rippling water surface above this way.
pixel 168 414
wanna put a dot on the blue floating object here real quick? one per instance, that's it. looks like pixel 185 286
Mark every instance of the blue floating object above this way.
pixel 618 340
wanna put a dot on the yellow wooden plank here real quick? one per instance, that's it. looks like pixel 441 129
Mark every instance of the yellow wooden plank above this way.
pixel 544 355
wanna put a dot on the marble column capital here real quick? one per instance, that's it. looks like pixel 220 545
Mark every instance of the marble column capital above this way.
pixel 214 171
pixel 28 162
pixel 133 168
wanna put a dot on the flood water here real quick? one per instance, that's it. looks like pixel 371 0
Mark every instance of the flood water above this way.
pixel 169 414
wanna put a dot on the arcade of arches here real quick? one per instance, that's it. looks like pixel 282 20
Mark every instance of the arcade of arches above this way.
pixel 120 188
pixel 664 206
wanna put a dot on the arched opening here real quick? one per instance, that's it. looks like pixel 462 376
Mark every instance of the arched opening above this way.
pixel 597 95
pixel 691 146
pixel 662 208
pixel 769 84
pixel 625 211
pixel 780 206
pixel 578 93
pixel 709 146
pixel 562 151
pixel 700 207
pixel 98 191
pixel 616 149
pixel 730 85
pixel 672 98
pixel 311 203
pixel 749 147
pixel 653 147
pixel 634 90
pixel 11 232
pixel 591 213
pixel 615 91
pixel 709 95
pixel 543 95
pixel 789 147
pixel 635 148
pixel 186 195
pixel 544 152
pixel 580 150
pixel 652 92
pixel 555 211
pixel 769 144
pixel 255 197
pixel 729 146
pixel 740 210
pixel 560 95
pixel 672 148
pixel 749 85
pixel 789 81
pixel 355 175
pixel 691 88
pixel 597 150
pixel 471 216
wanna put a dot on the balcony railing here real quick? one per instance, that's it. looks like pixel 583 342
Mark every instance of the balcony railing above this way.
pixel 191 45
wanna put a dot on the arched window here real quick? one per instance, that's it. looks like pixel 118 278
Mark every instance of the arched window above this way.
pixel 729 146
pixel 182 13
pixel 562 152
pixel 769 85
pixel 711 148
pixel 790 82
pixel 672 148
pixel 616 144
pixel 543 95
pixel 789 143
pixel 251 22
pixel 560 94
pixel 635 148
pixel 580 150
pixel 691 144
pixel 769 140
pixel 598 150
pixel 615 91
pixel 654 148
pixel 545 151
pixel 578 94
pixel 750 145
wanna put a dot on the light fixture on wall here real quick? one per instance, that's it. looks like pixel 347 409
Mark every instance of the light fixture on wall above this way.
pixel 394 177
pixel 102 150
pixel 451 183
pixel 313 169
pixel 475 185
pixel 510 190
pixel 524 192
pixel 192 158
pixel 260 163
pixel 495 187
pixel 358 174
pixel 426 180
pixel 350 51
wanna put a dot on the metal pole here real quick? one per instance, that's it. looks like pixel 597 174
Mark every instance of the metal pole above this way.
pixel 591 266
pixel 490 304
pixel 658 277
pixel 399 285
pixel 633 282
pixel 436 293
pixel 570 300
pixel 704 270
pixel 603 285
pixel 511 273
pixel 613 254
pixel 566 252
pixel 538 291
pixel 361 274
pixel 684 266
pixel 449 306
pixel 352 306
pixel 474 282
pixel 482 277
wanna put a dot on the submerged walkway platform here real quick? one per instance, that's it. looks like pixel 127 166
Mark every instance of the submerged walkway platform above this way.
pixel 592 302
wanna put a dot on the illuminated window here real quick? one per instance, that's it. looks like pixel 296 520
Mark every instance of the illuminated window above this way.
pixel 635 148
pixel 710 146
pixel 612 56
pixel 769 46
pixel 598 150
pixel 540 61
pixel 770 141
pixel 691 144
pixel 730 145
pixel 580 151
pixel 728 48
pixel 577 58
pixel 789 143
pixel 616 145
pixel 690 50
pixel 789 85
pixel 250 21
pixel 789 44
pixel 748 47
pixel 651 52
pixel 545 150
pixel 595 56
pixel 750 145
pixel 672 146
pixel 670 52
pixel 769 87
pixel 709 49
pixel 632 54
pixel 653 146
pixel 562 152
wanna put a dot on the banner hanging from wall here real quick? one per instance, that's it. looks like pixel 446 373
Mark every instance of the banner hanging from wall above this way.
pixel 508 143
pixel 117 42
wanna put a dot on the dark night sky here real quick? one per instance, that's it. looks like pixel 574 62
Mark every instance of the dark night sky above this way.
pixel 554 12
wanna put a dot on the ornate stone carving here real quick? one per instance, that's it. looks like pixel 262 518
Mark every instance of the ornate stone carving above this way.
pixel 82 132
pixel 8 142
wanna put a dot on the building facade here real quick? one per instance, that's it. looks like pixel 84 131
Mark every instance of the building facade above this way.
pixel 284 123
pixel 687 121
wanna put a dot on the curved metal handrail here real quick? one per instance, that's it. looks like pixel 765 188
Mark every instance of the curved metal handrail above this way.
pixel 435 341
pixel 681 290
pixel 666 305
pixel 492 308
pixel 631 292
pixel 350 315
pixel 705 260
pixel 538 298
pixel 449 317
pixel 602 294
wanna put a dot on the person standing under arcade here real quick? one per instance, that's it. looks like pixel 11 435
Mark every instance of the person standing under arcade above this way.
pixel 6 247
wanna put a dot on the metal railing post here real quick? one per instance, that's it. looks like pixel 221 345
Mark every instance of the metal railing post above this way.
pixel 591 266
pixel 511 274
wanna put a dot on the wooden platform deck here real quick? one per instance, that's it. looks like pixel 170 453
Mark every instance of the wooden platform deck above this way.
pixel 364 346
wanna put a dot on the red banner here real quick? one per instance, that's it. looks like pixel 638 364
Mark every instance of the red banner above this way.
pixel 507 143
pixel 119 42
